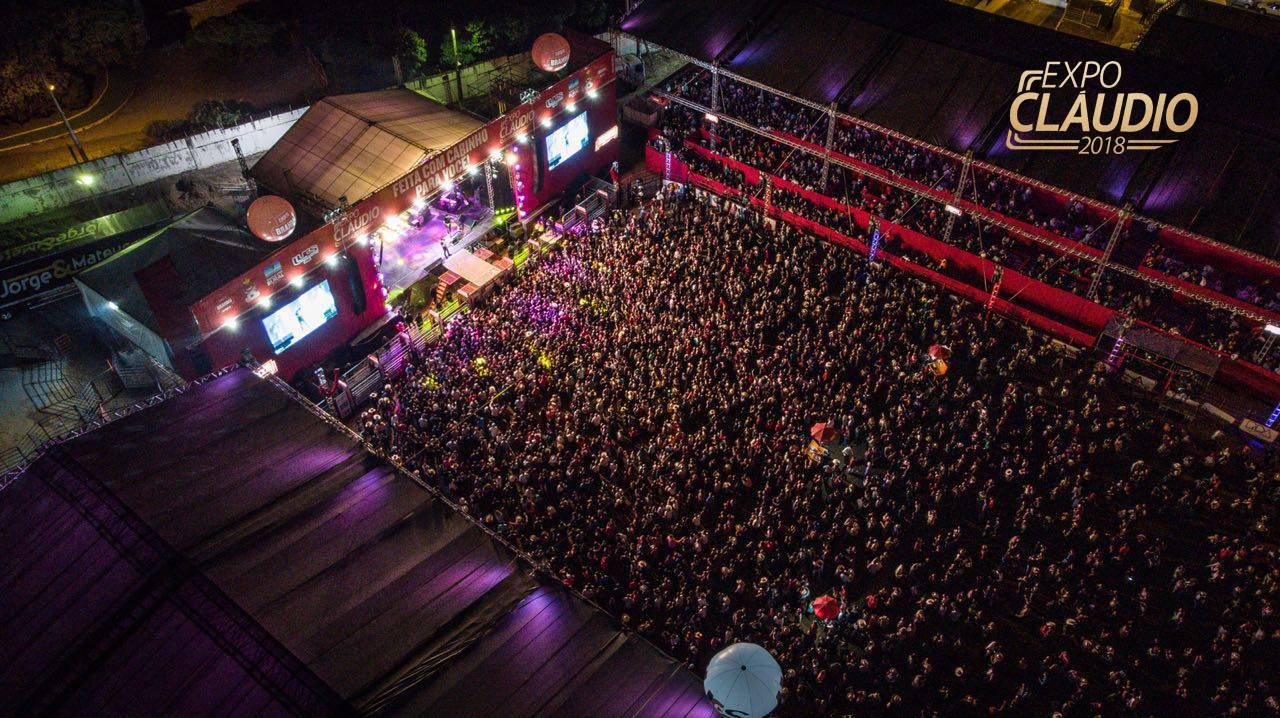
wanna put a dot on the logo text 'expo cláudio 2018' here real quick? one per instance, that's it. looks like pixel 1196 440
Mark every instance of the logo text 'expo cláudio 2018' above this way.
pixel 1074 107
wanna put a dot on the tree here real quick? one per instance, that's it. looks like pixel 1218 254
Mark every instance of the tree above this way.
pixel 513 31
pixel 594 15
pixel 210 114
pixel 241 30
pixel 474 44
pixel 411 51
pixel 61 44
pixel 98 32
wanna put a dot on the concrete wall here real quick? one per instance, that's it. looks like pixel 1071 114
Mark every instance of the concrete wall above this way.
pixel 60 188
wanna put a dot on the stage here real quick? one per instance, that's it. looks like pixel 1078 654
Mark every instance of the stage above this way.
pixel 406 257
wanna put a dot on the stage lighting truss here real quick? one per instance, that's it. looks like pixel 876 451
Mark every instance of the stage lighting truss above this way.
pixel 985 214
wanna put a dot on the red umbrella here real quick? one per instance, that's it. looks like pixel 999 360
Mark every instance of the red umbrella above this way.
pixel 940 351
pixel 822 432
pixel 826 607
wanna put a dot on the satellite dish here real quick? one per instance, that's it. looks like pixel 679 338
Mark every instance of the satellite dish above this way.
pixel 272 218
pixel 743 681
pixel 551 52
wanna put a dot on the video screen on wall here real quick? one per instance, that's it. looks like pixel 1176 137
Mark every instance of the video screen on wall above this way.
pixel 290 323
pixel 567 140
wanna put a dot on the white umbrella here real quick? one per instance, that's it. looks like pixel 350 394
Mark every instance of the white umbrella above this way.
pixel 743 681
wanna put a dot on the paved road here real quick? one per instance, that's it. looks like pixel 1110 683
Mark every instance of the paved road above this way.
pixel 169 83
pixel 118 91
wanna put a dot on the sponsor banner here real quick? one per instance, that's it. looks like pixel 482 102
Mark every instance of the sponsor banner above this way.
pixel 293 260
pixel 1253 428
pixel 83 233
pixel 29 280
pixel 421 182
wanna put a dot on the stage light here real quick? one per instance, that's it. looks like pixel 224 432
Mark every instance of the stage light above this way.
pixel 606 137
pixel 264 301
pixel 332 259
pixel 592 94
pixel 546 121
pixel 495 155
pixel 522 138
pixel 712 118
pixel 266 368
pixel 296 281
pixel 473 170
pixel 233 323
pixel 954 210
pixel 86 180
pixel 113 305
pixel 512 158
pixel 1273 329
pixel 447 185
pixel 570 106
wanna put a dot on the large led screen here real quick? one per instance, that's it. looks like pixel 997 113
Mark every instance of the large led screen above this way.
pixel 567 140
pixel 286 325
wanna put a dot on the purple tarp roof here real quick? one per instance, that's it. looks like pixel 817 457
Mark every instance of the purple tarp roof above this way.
pixel 946 74
pixel 228 553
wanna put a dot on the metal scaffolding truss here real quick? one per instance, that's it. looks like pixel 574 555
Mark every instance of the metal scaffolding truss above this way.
pixel 958 157
pixel 987 215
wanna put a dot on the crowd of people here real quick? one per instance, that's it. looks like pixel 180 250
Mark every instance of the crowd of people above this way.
pixel 1014 535
pixel 1068 219
pixel 1214 327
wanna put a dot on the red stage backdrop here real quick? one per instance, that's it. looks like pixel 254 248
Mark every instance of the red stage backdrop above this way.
pixel 223 347
pixel 237 296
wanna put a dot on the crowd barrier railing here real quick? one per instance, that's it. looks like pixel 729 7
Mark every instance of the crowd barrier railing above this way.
pixel 1233 373
pixel 1177 236
pixel 1059 242
pixel 1016 229
pixel 388 361
pixel 1076 320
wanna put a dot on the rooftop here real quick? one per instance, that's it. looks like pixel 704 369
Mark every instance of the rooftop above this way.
pixel 228 552
pixel 347 146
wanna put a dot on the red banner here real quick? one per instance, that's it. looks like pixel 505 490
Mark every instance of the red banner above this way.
pixel 1074 319
pixel 1230 259
pixel 236 296
pixel 1239 261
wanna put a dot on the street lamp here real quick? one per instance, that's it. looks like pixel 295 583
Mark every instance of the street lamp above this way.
pixel 457 62
pixel 65 122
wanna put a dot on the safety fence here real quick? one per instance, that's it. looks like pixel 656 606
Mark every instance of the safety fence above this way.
pixel 385 363
pixel 1044 307
pixel 1203 248
pixel 589 209
pixel 388 361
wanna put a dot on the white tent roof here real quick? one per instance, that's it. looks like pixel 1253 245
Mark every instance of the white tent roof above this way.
pixel 351 145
